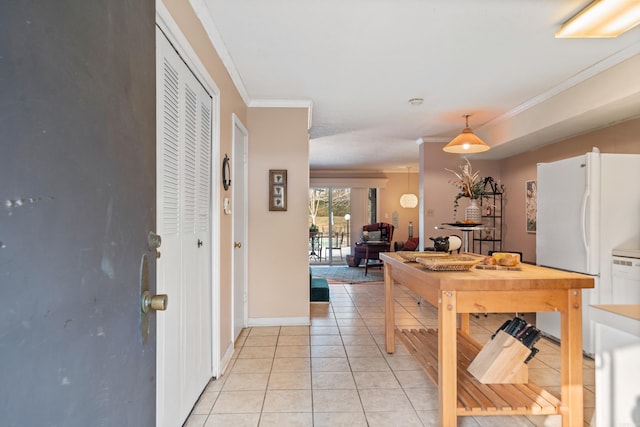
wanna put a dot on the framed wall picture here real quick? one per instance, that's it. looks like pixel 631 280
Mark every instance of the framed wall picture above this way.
pixel 277 189
pixel 531 197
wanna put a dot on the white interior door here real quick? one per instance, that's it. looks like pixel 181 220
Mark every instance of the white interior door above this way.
pixel 184 204
pixel 239 190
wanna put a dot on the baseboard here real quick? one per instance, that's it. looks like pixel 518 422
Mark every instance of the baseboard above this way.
pixel 226 359
pixel 278 321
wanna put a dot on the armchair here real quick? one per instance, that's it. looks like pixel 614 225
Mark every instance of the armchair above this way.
pixel 377 239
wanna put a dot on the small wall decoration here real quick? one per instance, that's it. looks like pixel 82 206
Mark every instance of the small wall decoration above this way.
pixel 277 189
pixel 531 195
pixel 226 173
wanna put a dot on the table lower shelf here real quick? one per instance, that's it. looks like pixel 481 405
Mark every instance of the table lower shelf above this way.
pixel 475 398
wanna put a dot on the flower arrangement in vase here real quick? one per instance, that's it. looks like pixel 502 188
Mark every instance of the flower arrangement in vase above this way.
pixel 470 184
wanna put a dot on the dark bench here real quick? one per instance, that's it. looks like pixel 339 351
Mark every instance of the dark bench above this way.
pixel 319 288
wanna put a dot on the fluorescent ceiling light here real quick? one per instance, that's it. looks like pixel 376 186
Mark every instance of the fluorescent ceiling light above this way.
pixel 602 18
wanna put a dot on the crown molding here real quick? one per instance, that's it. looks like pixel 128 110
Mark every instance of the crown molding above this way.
pixel 348 182
pixel 586 74
pixel 434 139
pixel 173 33
pixel 281 103
pixel 285 103
pixel 204 14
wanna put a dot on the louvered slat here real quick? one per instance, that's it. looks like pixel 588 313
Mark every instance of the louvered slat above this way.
pixel 189 164
pixel 204 168
pixel 170 152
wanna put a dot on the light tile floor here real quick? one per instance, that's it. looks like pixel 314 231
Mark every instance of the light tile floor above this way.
pixel 336 372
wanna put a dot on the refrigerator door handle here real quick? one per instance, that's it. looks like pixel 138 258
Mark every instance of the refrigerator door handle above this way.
pixel 583 218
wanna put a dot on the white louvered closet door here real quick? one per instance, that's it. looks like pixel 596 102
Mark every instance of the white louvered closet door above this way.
pixel 184 273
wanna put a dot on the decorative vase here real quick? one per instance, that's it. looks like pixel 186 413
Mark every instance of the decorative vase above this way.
pixel 473 212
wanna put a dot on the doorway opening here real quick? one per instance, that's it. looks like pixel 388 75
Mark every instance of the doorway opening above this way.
pixel 329 225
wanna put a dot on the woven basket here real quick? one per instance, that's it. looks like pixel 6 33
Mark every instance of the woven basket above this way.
pixel 412 255
pixel 448 263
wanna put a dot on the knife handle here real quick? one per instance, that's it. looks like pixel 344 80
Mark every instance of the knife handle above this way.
pixel 534 351
pixel 532 338
pixel 519 324
pixel 524 331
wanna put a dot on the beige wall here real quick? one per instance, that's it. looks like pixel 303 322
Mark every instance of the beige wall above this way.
pixel 620 138
pixel 389 202
pixel 278 241
pixel 278 139
pixel 513 172
pixel 439 192
pixel 359 204
pixel 230 103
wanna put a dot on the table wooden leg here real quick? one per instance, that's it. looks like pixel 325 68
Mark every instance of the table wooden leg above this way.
pixel 447 357
pixel 465 326
pixel 389 316
pixel 571 360
pixel 366 260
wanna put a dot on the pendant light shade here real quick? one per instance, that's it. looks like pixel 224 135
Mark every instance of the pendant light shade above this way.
pixel 408 200
pixel 466 142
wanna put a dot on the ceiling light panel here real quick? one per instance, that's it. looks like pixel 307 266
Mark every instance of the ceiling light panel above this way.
pixel 602 18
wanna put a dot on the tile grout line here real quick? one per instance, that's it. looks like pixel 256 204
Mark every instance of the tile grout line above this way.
pixel 361 303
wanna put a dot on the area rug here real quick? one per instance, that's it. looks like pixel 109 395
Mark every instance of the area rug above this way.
pixel 344 274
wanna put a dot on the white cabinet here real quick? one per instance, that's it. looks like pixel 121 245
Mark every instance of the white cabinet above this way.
pixel 617 364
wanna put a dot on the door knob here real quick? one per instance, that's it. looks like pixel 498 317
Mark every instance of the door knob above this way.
pixel 155 302
pixel 237 245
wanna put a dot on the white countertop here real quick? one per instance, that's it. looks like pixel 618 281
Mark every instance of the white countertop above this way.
pixel 628 310
pixel 625 317
pixel 627 253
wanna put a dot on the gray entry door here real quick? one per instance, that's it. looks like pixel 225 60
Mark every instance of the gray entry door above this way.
pixel 77 200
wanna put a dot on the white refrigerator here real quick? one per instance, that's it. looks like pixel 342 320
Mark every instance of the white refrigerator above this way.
pixel 587 206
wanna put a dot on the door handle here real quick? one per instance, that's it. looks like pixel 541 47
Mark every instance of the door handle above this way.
pixel 155 302
pixel 237 245
pixel 199 243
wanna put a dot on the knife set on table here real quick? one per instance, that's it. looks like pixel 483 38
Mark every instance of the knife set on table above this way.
pixel 524 332
pixel 504 358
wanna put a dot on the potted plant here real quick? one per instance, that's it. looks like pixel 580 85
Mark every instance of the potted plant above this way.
pixel 471 185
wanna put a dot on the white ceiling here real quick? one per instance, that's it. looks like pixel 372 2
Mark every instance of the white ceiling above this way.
pixel 358 62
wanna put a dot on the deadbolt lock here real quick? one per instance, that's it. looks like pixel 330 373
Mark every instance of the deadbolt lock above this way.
pixel 155 302
pixel 237 245
pixel 154 240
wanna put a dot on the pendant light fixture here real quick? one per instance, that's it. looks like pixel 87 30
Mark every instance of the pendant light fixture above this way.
pixel 467 142
pixel 408 200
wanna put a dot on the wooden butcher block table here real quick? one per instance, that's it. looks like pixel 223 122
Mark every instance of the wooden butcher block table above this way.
pixel 446 353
